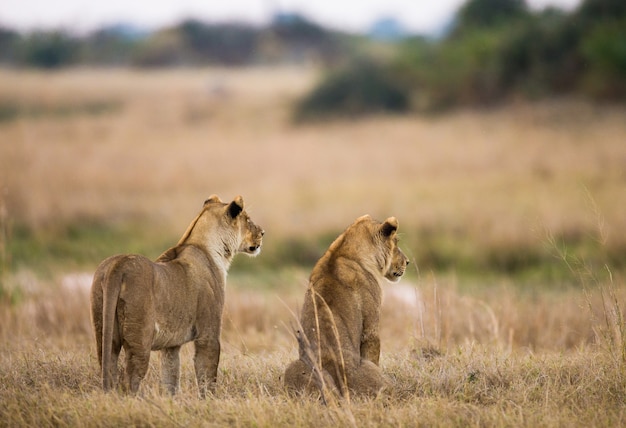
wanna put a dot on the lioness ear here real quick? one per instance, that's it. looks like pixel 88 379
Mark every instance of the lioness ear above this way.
pixel 212 198
pixel 235 207
pixel 389 227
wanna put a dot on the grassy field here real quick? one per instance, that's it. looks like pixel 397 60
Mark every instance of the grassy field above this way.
pixel 472 190
pixel 491 358
pixel 511 314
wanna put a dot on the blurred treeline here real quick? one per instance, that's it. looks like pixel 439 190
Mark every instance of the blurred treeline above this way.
pixel 498 48
pixel 288 38
pixel 493 50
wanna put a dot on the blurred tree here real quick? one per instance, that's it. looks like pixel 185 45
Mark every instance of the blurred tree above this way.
pixel 8 44
pixel 49 49
pixel 604 50
pixel 539 56
pixel 295 27
pixel 230 44
pixel 602 47
pixel 165 48
pixel 465 71
pixel 593 11
pixel 488 13
pixel 293 38
pixel 111 45
pixel 362 87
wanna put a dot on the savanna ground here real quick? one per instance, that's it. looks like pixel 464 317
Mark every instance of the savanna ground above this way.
pixel 510 315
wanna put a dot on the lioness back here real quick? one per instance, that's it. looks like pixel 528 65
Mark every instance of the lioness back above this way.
pixel 341 311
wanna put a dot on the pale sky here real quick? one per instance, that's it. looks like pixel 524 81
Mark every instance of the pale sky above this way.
pixel 421 16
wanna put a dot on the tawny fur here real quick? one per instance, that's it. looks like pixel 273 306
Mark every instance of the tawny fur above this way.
pixel 339 344
pixel 144 306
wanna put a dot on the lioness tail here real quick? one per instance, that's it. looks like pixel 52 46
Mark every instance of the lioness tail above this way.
pixel 111 290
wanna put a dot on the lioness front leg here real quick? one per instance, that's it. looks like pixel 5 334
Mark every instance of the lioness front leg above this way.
pixel 170 369
pixel 370 339
pixel 370 348
pixel 205 361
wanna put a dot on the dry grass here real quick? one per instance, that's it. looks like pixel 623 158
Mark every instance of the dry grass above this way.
pixel 501 176
pixel 498 359
pixel 457 351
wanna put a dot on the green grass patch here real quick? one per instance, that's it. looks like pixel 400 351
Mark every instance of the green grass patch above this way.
pixel 13 110
pixel 84 243
pixel 556 260
pixel 81 244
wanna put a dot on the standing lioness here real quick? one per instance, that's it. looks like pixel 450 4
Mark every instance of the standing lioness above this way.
pixel 339 345
pixel 146 306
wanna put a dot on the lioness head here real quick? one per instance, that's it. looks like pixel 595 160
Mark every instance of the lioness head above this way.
pixel 398 264
pixel 226 228
pixel 389 259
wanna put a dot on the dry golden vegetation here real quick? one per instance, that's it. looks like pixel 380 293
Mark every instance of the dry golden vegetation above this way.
pixel 491 358
pixel 470 188
pixel 130 156
pixel 175 136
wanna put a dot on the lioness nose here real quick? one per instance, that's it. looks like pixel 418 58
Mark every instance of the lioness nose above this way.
pixel 262 233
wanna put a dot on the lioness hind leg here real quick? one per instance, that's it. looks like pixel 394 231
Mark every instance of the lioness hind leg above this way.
pixel 170 369
pixel 136 368
pixel 109 380
pixel 366 379
pixel 115 355
pixel 300 378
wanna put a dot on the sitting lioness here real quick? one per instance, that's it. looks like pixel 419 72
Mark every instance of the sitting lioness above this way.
pixel 339 345
pixel 146 306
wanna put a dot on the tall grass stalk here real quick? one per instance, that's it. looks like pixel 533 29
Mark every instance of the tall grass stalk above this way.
pixel 612 333
pixel 4 239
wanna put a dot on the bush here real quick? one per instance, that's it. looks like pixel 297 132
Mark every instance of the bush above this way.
pixel 539 56
pixel 487 59
pixel 163 49
pixel 604 49
pixel 230 44
pixel 465 71
pixel 363 87
pixel 49 50
pixel 488 13
pixel 8 43
pixel 113 45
